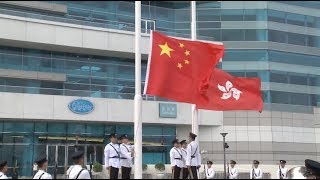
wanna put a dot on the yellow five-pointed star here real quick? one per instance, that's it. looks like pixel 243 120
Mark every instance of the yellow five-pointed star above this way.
pixel 186 62
pixel 165 49
pixel 187 53
pixel 181 45
pixel 179 65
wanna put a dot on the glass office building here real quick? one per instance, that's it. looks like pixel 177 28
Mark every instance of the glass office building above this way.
pixel 278 41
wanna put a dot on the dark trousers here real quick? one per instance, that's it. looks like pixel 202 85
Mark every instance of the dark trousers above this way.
pixel 177 171
pixel 185 173
pixel 194 172
pixel 114 173
pixel 125 172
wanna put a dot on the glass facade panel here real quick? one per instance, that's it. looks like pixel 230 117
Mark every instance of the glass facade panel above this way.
pixel 232 15
pixel 295 19
pixel 232 35
pixel 276 16
pixel 277 36
pixel 297 39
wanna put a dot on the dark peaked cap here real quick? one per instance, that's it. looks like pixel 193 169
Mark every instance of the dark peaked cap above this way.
pixel 77 155
pixel 192 135
pixel 41 159
pixel 124 136
pixel 313 166
pixel 283 161
pixel 3 164
pixel 113 135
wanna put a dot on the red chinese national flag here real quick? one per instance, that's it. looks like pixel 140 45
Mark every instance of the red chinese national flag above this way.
pixel 177 67
pixel 226 92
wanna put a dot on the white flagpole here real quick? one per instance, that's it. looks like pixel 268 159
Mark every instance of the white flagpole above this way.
pixel 137 97
pixel 194 120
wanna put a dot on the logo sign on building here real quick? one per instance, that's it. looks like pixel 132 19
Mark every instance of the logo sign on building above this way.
pixel 81 106
pixel 167 110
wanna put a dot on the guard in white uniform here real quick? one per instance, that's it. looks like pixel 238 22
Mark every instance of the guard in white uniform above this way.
pixel 3 170
pixel 42 164
pixel 185 171
pixel 193 161
pixel 126 152
pixel 209 171
pixel 256 172
pixel 282 170
pixel 176 159
pixel 77 171
pixel 112 156
pixel 233 172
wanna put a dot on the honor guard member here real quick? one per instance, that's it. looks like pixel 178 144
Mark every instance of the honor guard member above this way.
pixel 282 171
pixel 193 156
pixel 3 170
pixel 185 171
pixel 126 157
pixel 233 172
pixel 112 156
pixel 209 171
pixel 313 169
pixel 176 159
pixel 256 172
pixel 77 171
pixel 42 164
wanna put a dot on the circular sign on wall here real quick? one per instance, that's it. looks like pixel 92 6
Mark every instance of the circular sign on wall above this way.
pixel 81 106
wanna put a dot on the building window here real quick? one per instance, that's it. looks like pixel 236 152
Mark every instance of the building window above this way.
pixel 232 35
pixel 232 15
pixel 296 39
pixel 276 16
pixel 277 36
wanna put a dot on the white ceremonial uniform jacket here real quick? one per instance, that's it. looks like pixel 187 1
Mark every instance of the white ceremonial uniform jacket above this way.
pixel 176 157
pixel 284 172
pixel 125 153
pixel 3 176
pixel 41 174
pixel 184 157
pixel 210 173
pixel 112 155
pixel 193 154
pixel 233 173
pixel 74 170
pixel 257 173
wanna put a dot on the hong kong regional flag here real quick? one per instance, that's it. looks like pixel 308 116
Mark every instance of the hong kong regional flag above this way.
pixel 176 67
pixel 226 92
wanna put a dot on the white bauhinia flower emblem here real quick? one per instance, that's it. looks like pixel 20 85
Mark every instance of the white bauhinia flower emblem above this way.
pixel 229 91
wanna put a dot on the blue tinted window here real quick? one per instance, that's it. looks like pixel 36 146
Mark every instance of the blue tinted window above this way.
pixel 278 77
pixel 297 39
pixel 232 35
pixel 295 19
pixel 280 97
pixel 277 36
pixel 232 15
pixel 255 35
pixel 276 16
pixel 255 15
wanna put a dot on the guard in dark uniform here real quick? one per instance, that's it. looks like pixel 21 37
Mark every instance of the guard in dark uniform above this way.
pixel 42 163
pixel 3 170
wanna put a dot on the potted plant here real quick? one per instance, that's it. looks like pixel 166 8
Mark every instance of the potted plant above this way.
pixel 97 170
pixel 160 167
pixel 144 167
pixel 97 167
